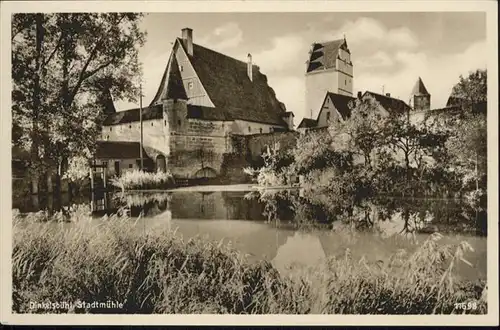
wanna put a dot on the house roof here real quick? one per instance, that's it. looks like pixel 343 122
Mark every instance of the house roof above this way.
pixel 324 55
pixel 419 88
pixel 133 115
pixel 118 150
pixel 341 103
pixel 227 84
pixel 308 123
pixel 453 100
pixel 390 104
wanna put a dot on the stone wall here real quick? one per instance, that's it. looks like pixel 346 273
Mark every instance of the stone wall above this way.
pixel 256 144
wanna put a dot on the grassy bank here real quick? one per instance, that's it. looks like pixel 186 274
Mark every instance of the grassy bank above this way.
pixel 158 272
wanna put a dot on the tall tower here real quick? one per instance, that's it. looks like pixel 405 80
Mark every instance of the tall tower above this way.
pixel 421 99
pixel 328 69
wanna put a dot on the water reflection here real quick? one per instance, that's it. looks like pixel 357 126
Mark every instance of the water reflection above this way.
pixel 282 226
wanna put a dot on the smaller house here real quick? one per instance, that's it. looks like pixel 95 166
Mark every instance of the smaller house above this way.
pixel 120 156
pixel 334 107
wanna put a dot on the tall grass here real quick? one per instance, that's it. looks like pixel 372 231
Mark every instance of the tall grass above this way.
pixel 158 272
pixel 139 180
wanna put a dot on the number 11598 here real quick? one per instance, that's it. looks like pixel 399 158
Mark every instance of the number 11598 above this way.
pixel 471 305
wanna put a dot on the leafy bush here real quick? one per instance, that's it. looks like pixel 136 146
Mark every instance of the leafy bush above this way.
pixel 135 180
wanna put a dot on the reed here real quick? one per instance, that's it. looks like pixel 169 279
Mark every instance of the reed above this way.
pixel 159 272
pixel 139 180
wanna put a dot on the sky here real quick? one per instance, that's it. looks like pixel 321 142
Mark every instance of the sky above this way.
pixel 389 51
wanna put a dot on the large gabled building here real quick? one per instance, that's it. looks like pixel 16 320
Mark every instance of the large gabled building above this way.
pixel 204 98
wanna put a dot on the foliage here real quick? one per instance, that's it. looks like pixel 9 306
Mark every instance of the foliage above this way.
pixel 274 171
pixel 136 180
pixel 158 272
pixel 472 89
pixel 78 169
pixel 362 133
pixel 67 68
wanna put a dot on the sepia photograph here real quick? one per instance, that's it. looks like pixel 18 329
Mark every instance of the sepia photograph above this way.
pixel 318 160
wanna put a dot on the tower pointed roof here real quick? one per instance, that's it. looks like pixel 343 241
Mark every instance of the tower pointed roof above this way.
pixel 419 88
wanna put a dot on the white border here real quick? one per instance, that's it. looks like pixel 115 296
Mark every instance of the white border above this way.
pixel 490 7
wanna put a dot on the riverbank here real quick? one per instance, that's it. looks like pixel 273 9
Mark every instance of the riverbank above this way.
pixel 158 272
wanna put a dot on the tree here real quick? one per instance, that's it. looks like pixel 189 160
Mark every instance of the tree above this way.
pixel 471 90
pixel 361 133
pixel 66 69
pixel 469 138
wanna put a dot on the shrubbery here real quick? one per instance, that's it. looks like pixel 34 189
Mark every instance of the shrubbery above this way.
pixel 139 180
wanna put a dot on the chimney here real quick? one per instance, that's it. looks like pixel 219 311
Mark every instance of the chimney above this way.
pixel 388 94
pixel 249 67
pixel 359 94
pixel 187 39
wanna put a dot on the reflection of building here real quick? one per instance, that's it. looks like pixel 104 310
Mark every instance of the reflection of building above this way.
pixel 204 97
pixel 300 249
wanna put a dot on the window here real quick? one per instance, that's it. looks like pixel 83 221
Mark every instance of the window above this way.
pixel 190 85
pixel 165 122
pixel 130 126
pixel 249 129
pixel 151 123
pixel 107 137
pixel 130 165
pixel 182 68
pixel 260 130
pixel 110 129
pixel 105 164
pixel 179 122
pixel 346 82
pixel 328 115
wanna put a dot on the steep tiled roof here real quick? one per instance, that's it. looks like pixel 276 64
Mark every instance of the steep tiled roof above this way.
pixel 419 88
pixel 118 150
pixel 308 123
pixel 390 104
pixel 341 103
pixel 132 115
pixel 206 113
pixel 228 86
pixel 324 55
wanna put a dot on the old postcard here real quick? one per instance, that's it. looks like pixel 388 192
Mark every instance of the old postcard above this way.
pixel 249 162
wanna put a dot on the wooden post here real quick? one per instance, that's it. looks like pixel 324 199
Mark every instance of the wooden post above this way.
pixel 91 178
pixel 104 178
pixel 140 119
